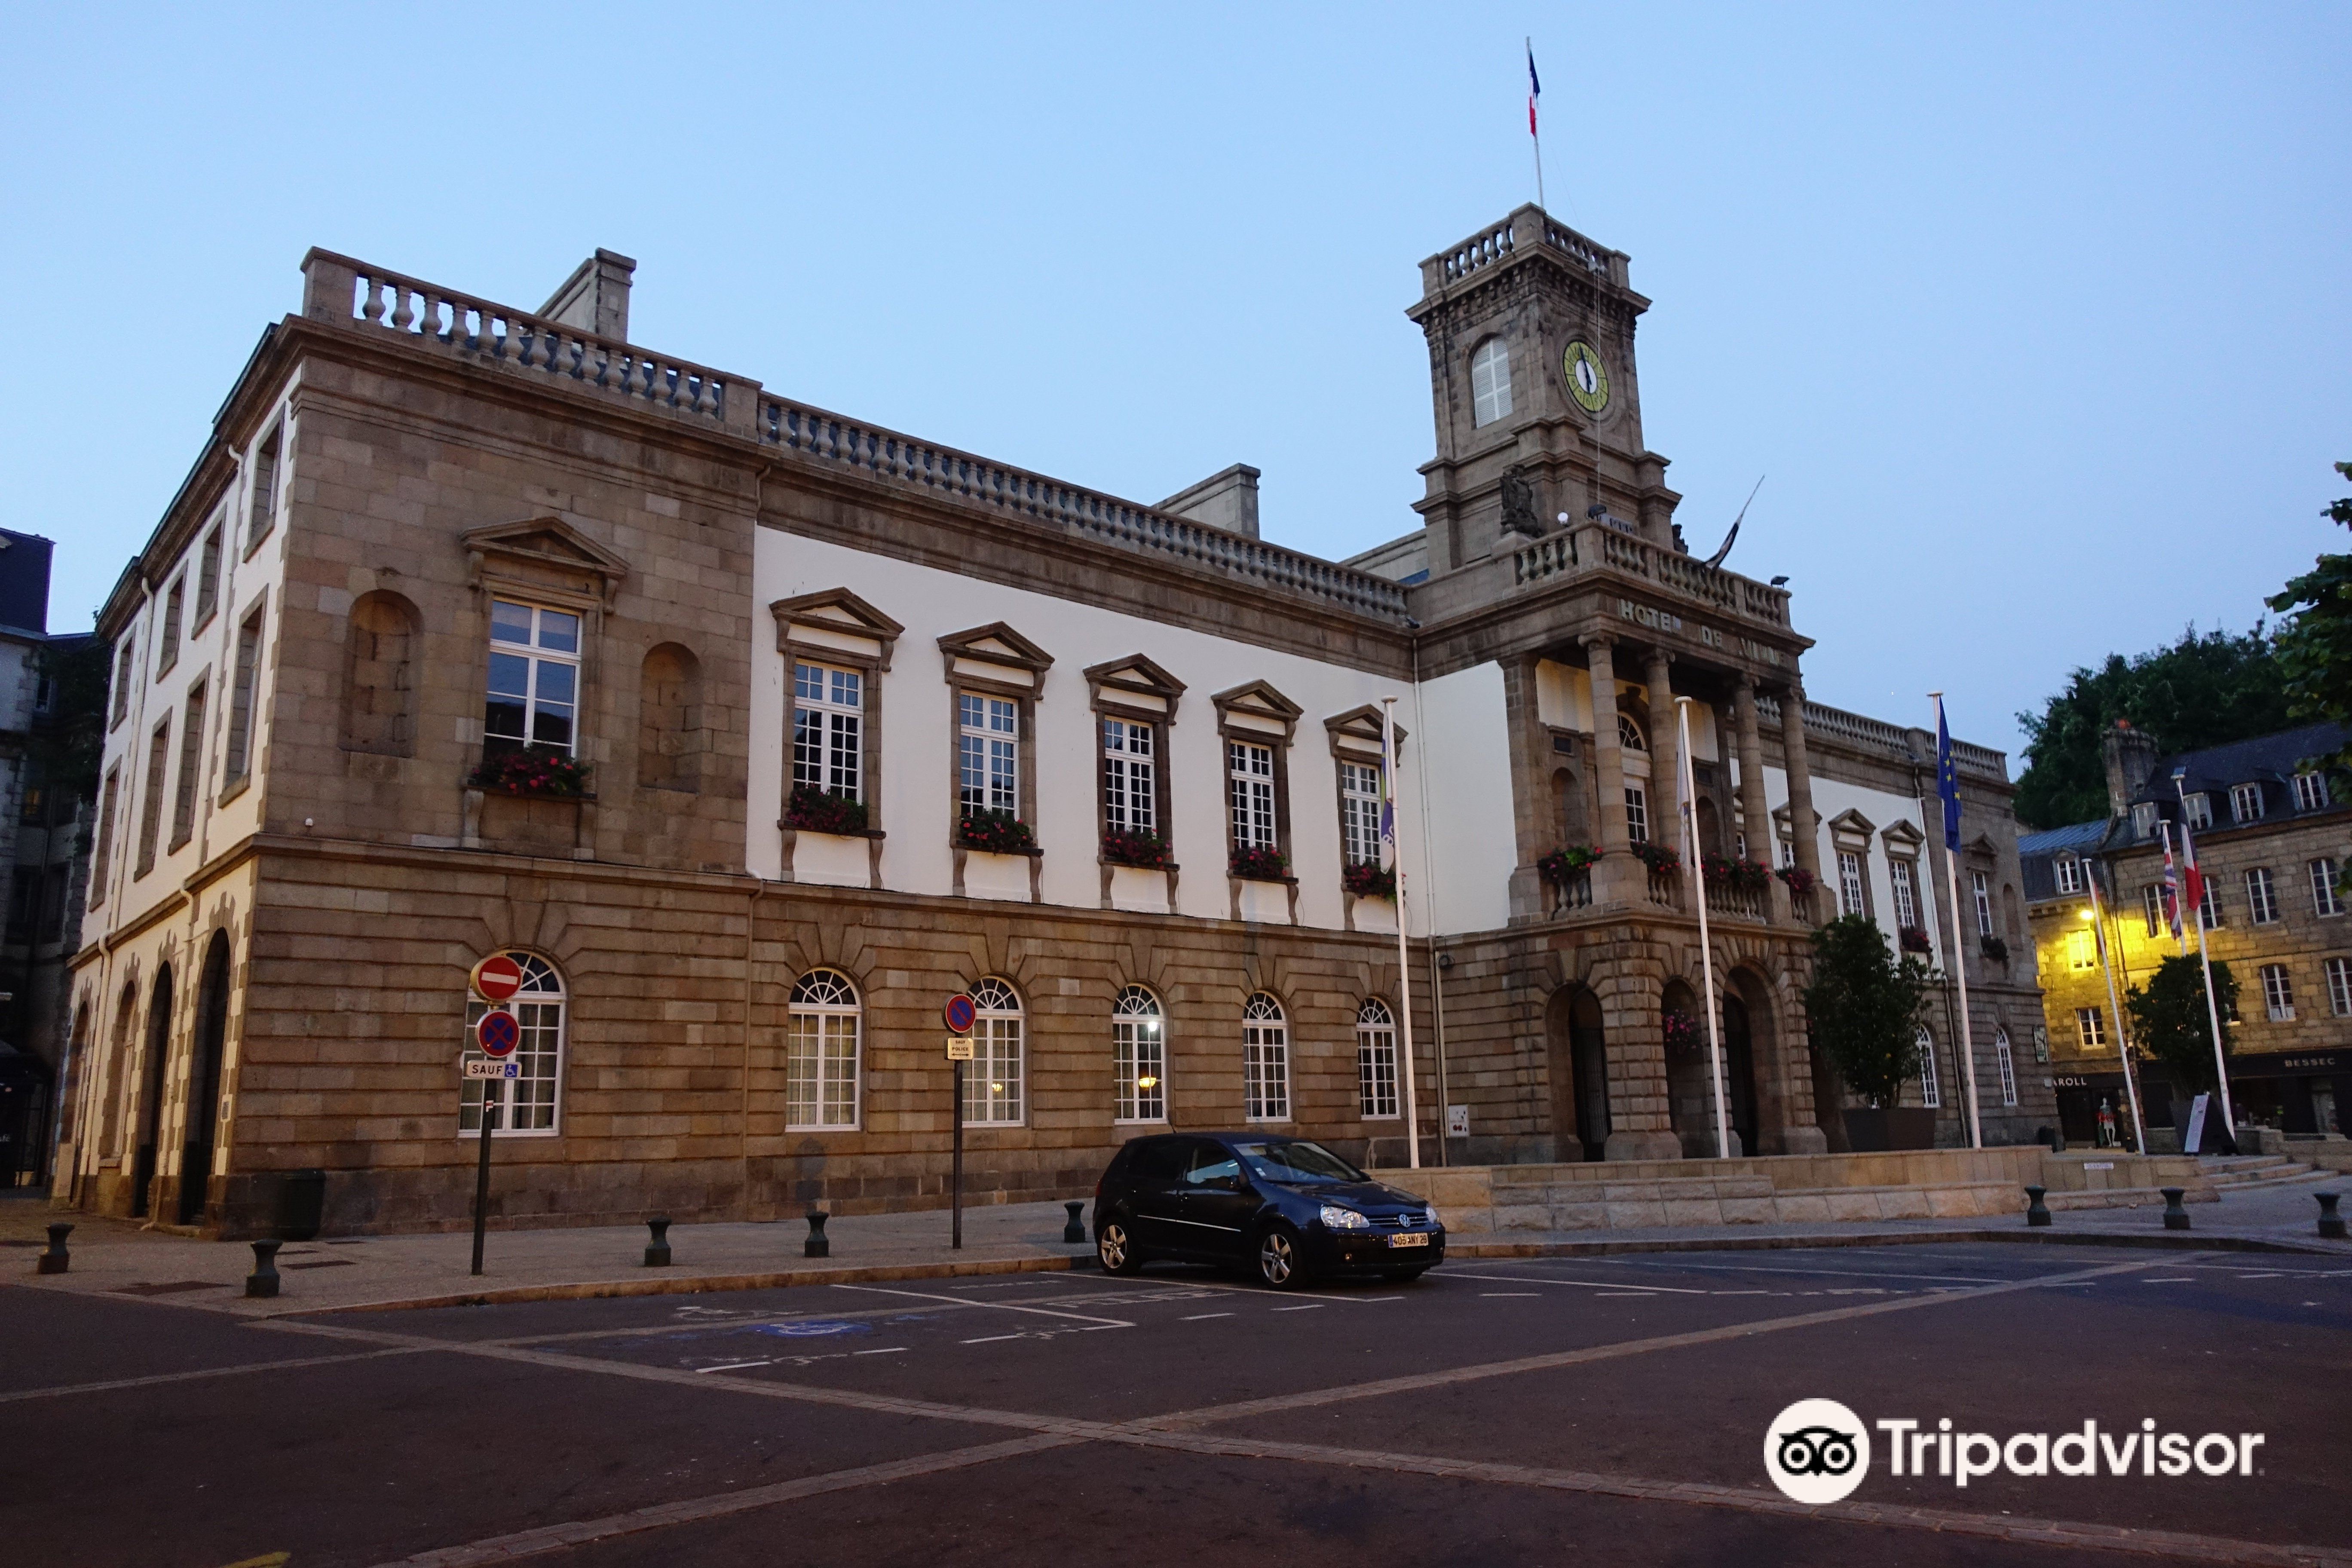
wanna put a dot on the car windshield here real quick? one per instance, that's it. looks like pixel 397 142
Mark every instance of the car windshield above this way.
pixel 1296 1160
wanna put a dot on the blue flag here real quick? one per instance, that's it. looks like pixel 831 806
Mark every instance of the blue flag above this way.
pixel 1947 780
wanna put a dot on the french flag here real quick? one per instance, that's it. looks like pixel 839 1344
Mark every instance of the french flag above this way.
pixel 1535 89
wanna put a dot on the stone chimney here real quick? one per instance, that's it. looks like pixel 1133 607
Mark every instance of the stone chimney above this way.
pixel 1227 501
pixel 595 298
pixel 2130 757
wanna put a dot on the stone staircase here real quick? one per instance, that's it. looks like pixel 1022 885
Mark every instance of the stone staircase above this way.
pixel 2234 1172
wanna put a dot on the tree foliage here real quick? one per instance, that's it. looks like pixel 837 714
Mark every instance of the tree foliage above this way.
pixel 2204 690
pixel 2315 644
pixel 1862 1007
pixel 2170 1024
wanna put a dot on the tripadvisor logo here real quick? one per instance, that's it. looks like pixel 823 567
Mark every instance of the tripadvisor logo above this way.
pixel 1817 1451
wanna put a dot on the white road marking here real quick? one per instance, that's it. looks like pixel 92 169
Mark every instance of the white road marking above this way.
pixel 1204 1316
pixel 892 1350
pixel 1510 1295
pixel 1581 1284
pixel 2171 1279
pixel 992 1306
pixel 1606 1295
pixel 992 1339
pixel 1310 1307
pixel 735 1365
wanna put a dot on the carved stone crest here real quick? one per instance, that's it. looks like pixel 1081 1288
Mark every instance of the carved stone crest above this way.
pixel 1519 505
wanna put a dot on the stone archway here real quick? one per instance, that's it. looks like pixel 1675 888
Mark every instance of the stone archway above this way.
pixel 205 1051
pixel 1578 1061
pixel 150 1093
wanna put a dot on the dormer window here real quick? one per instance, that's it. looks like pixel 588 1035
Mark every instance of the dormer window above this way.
pixel 1490 382
pixel 2310 792
pixel 2246 802
pixel 2200 810
pixel 2144 820
pixel 2069 872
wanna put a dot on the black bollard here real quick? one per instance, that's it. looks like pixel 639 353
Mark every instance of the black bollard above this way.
pixel 55 1259
pixel 816 1246
pixel 2175 1216
pixel 1076 1231
pixel 657 1250
pixel 2331 1224
pixel 263 1280
pixel 2036 1211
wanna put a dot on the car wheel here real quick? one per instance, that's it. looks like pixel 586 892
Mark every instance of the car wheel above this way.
pixel 1404 1275
pixel 1278 1263
pixel 1115 1247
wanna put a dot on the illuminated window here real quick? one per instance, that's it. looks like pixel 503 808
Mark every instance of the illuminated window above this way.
pixel 820 1053
pixel 2082 951
pixel 2091 1028
pixel 2278 992
pixel 1139 1057
pixel 1376 1059
pixel 992 1079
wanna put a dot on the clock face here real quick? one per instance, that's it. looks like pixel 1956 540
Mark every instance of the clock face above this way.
pixel 1588 378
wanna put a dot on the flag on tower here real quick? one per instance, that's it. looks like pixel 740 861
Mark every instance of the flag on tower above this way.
pixel 1947 780
pixel 1535 89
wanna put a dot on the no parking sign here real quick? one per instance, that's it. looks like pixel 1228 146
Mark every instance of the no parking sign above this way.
pixel 497 1034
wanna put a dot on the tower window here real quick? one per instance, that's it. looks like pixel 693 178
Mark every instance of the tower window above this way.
pixel 1490 382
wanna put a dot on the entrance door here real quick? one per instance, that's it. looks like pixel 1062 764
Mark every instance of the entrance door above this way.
pixel 1739 1072
pixel 205 1081
pixel 1589 1058
pixel 150 1094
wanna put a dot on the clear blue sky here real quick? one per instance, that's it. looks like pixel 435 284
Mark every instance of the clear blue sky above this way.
pixel 2037 317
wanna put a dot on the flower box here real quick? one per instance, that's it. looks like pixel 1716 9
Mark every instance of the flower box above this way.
pixel 553 774
pixel 1912 940
pixel 1680 1030
pixel 1661 860
pixel 1259 865
pixel 1139 847
pixel 1801 881
pixel 813 810
pixel 1739 876
pixel 996 832
pixel 1562 866
pixel 1370 879
pixel 1994 949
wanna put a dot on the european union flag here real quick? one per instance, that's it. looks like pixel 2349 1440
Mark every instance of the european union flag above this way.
pixel 1947 780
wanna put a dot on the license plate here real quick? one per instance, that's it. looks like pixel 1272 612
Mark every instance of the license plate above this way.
pixel 1410 1238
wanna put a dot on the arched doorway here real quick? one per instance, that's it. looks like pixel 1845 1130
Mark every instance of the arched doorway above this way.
pixel 1578 1055
pixel 1690 1076
pixel 205 1081
pixel 1739 1071
pixel 151 1092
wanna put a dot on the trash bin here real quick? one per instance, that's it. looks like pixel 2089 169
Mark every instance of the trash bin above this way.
pixel 301 1204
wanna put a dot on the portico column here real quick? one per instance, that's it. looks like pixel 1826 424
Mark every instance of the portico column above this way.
pixel 1665 756
pixel 1802 824
pixel 1608 770
pixel 1755 806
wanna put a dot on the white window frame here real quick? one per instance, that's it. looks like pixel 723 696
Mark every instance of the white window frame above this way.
pixel 538 659
pixel 2209 907
pixel 2144 820
pixel 2006 1060
pixel 1130 783
pixel 1265 1060
pixel 829 729
pixel 2311 791
pixel 2278 992
pixel 2091 1028
pixel 1981 888
pixel 2081 949
pixel 1906 896
pixel 988 753
pixel 2151 903
pixel 2262 896
pixel 2246 802
pixel 992 1081
pixel 1850 898
pixel 1360 813
pixel 2339 986
pixel 2324 899
pixel 1490 382
pixel 2198 810
pixel 1637 815
pixel 1250 795
pixel 1931 1082
pixel 2068 872
pixel 542 1006
pixel 825 1030
pixel 1138 1028
pixel 1376 1061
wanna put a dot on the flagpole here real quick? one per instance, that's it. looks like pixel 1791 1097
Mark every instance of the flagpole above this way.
pixel 1535 90
pixel 2115 1005
pixel 1404 967
pixel 2205 959
pixel 1686 810
pixel 1952 880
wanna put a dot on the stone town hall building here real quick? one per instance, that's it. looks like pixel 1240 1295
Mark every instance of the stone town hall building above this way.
pixel 868 721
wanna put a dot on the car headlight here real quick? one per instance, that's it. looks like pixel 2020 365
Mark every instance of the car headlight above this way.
pixel 1337 1218
pixel 1429 1213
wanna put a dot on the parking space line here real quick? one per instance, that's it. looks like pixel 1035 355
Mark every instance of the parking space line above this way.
pixel 890 1350
pixel 736 1365
pixel 1307 1307
pixel 1617 1295
pixel 1204 1316
pixel 61 1390
pixel 1586 1284
pixel 1510 1295
pixel 1852 1273
pixel 992 1306
pixel 993 1338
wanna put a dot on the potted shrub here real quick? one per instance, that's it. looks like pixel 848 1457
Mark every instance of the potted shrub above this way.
pixel 556 776
pixel 1661 860
pixel 814 810
pixel 1370 879
pixel 1259 865
pixel 996 833
pixel 1138 847
pixel 1562 866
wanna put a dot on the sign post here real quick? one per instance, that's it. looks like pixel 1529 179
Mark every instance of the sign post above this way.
pixel 960 1012
pixel 497 1034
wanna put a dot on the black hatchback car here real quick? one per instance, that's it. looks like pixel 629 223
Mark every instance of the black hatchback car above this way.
pixel 1286 1208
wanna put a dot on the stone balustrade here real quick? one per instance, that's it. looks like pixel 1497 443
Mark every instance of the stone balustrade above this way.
pixel 1525 229
pixel 1739 903
pixel 1594 544
pixel 1876 734
pixel 338 288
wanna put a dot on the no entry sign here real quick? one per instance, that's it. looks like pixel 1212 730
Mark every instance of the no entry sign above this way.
pixel 497 1034
pixel 960 1011
pixel 496 977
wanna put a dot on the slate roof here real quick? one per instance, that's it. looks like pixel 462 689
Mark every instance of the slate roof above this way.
pixel 2265 759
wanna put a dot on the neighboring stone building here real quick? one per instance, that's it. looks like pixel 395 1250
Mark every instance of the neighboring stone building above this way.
pixel 2272 830
pixel 868 722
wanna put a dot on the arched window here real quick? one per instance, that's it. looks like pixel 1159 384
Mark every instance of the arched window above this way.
pixel 380 675
pixel 526 1103
pixel 1629 733
pixel 2007 1063
pixel 820 1053
pixel 1265 1060
pixel 1376 1058
pixel 1931 1086
pixel 1139 1055
pixel 1490 382
pixel 992 1084
pixel 669 719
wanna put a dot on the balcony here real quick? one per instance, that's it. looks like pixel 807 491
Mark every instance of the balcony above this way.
pixel 1593 546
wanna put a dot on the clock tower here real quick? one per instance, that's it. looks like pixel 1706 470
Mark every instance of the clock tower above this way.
pixel 1539 411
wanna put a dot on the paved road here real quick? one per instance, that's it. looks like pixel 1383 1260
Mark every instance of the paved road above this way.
pixel 1522 1411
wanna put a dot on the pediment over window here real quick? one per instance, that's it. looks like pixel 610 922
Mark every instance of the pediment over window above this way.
pixel 1358 731
pixel 996 652
pixel 836 619
pixel 1851 830
pixel 1258 707
pixel 1982 848
pixel 1135 682
pixel 1902 838
pixel 1781 821
pixel 544 551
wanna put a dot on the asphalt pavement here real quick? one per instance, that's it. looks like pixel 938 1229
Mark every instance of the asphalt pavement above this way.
pixel 1498 1410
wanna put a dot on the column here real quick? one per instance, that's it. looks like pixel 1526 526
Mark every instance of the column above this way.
pixel 1666 757
pixel 1755 806
pixel 1619 877
pixel 1803 822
